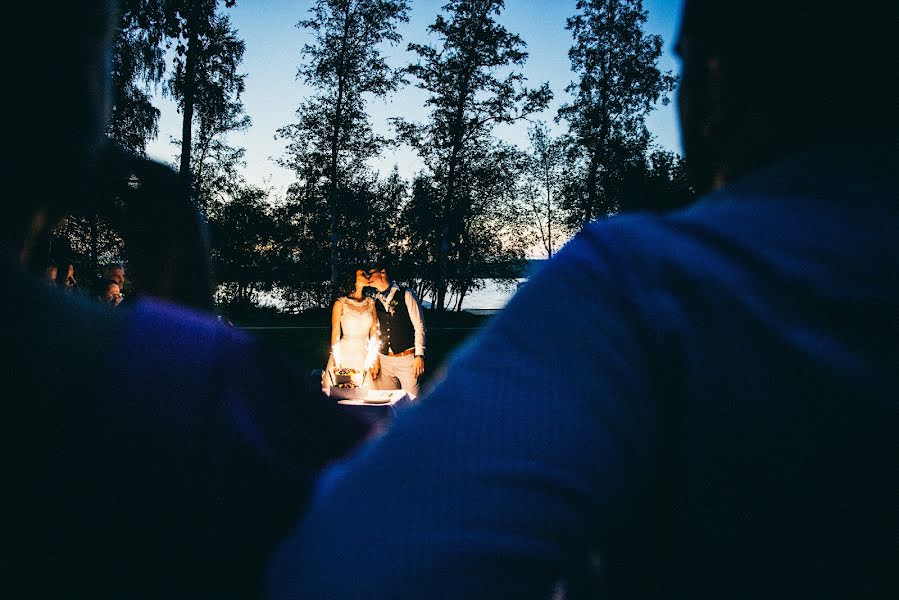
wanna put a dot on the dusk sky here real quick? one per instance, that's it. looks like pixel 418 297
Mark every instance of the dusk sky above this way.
pixel 273 44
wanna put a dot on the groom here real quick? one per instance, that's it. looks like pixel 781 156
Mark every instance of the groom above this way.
pixel 402 328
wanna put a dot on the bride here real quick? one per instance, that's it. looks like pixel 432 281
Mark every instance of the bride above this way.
pixel 353 322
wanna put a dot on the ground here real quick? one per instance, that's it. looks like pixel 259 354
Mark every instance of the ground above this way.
pixel 306 336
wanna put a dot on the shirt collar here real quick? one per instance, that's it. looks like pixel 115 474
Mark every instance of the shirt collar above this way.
pixel 388 293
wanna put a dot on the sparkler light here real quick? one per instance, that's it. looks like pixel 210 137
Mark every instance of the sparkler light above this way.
pixel 371 355
pixel 335 351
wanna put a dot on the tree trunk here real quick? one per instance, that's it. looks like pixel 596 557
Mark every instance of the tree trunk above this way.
pixel 464 267
pixel 462 291
pixel 591 186
pixel 549 214
pixel 198 183
pixel 458 134
pixel 448 204
pixel 442 266
pixel 190 75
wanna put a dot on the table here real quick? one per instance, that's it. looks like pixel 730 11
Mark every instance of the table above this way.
pixel 396 400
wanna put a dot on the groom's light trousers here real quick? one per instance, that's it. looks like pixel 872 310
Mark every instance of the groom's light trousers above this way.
pixel 396 373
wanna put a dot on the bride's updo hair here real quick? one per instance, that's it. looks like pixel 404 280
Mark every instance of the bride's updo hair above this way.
pixel 348 281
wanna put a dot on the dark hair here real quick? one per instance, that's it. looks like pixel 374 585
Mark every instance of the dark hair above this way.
pixel 348 281
pixel 62 272
pixel 101 286
pixel 57 76
pixel 379 265
pixel 803 72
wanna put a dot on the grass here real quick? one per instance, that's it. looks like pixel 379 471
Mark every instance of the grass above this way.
pixel 306 336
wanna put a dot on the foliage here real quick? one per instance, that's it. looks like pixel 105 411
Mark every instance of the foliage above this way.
pixel 494 234
pixel 137 63
pixel 467 97
pixel 88 240
pixel 333 138
pixel 476 208
pixel 218 110
pixel 243 233
pixel 619 85
pixel 659 184
pixel 205 78
pixel 544 168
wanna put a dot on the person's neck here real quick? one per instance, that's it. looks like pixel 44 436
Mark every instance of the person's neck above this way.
pixel 357 293
pixel 385 288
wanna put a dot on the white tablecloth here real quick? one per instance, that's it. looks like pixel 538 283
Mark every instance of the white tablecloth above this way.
pixel 392 397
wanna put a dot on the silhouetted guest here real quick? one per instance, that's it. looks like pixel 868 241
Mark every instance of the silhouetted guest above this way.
pixel 165 236
pixel 701 404
pixel 65 276
pixel 179 485
pixel 107 291
pixel 115 272
pixel 50 271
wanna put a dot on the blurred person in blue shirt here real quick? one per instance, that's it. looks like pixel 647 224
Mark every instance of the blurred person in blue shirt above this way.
pixel 701 404
pixel 180 483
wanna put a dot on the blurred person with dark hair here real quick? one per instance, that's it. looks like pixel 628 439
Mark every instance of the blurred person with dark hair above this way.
pixel 107 291
pixel 65 276
pixel 50 271
pixel 701 404
pixel 115 272
pixel 179 486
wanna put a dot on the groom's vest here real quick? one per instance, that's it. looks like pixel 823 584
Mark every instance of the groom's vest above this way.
pixel 397 332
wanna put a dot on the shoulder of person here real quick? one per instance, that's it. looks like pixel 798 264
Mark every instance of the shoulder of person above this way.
pixel 173 353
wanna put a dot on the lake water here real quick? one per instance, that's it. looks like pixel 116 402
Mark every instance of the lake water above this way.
pixel 491 297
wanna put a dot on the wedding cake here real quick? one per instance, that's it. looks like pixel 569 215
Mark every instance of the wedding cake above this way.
pixel 347 384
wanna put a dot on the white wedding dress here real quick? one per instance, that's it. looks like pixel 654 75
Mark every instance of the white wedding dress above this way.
pixel 356 320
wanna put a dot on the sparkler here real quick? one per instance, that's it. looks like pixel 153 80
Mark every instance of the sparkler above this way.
pixel 371 355
pixel 335 353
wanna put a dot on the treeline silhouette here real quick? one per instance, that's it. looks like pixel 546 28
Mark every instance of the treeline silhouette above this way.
pixel 478 204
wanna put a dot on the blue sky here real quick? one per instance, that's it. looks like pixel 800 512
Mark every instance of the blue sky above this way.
pixel 273 44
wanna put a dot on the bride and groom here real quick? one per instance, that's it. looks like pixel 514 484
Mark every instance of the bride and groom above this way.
pixel 394 317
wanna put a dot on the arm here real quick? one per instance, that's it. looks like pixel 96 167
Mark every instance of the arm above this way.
pixel 538 442
pixel 375 332
pixel 418 323
pixel 336 312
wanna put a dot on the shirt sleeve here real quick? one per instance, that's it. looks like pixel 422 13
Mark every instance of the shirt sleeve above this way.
pixel 418 321
pixel 530 454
